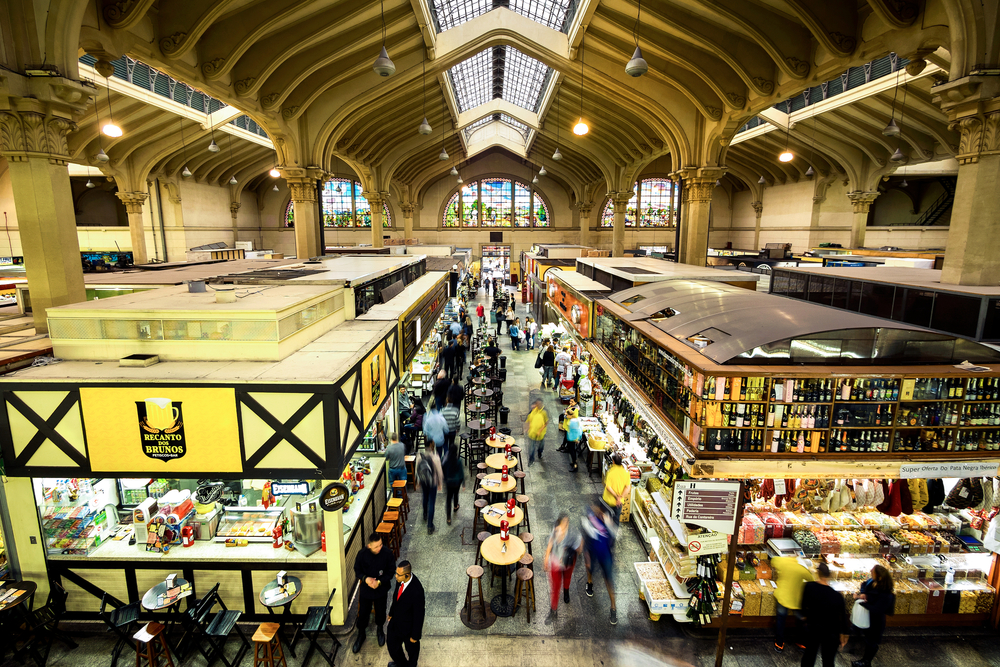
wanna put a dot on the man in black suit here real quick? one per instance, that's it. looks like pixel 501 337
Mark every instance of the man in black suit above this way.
pixel 406 618
pixel 373 567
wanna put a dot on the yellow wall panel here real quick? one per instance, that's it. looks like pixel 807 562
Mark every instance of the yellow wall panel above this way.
pixel 112 581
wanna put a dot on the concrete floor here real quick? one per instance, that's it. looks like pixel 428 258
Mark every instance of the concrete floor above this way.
pixel 582 635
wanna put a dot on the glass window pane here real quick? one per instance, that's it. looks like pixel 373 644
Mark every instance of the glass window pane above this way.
pixel 541 212
pixel 386 215
pixel 522 205
pixel 363 210
pixel 632 212
pixel 655 197
pixel 555 14
pixel 608 215
pixel 452 212
pixel 337 205
pixel 499 71
pixel 496 202
pixel 290 215
pixel 470 205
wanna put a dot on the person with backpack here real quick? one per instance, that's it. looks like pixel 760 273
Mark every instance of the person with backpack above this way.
pixel 565 544
pixel 599 533
pixel 454 479
pixel 878 598
pixel 535 427
pixel 453 416
pixel 431 479
pixel 574 431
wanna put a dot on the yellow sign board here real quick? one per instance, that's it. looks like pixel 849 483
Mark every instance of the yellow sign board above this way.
pixel 161 430
pixel 374 381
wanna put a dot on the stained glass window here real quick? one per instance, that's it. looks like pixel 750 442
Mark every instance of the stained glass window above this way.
pixel 470 204
pixel 290 215
pixel 522 205
pixel 541 213
pixel 453 212
pixel 496 197
pixel 348 208
pixel 651 205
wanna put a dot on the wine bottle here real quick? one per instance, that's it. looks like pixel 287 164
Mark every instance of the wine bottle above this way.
pixel 770 416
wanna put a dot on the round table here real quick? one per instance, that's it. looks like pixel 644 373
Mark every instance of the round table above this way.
pixel 494 520
pixel 503 604
pixel 286 603
pixel 29 588
pixel 483 393
pixel 476 409
pixel 480 381
pixel 500 441
pixel 151 600
pixel 502 487
pixel 474 425
pixel 499 460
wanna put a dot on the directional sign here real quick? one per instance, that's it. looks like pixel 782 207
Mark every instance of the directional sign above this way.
pixel 710 505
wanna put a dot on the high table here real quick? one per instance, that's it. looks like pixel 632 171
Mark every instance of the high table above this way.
pixel 499 460
pixel 283 602
pixel 156 598
pixel 483 427
pixel 480 381
pixel 500 486
pixel 500 441
pixel 492 518
pixel 472 408
pixel 494 551
pixel 482 393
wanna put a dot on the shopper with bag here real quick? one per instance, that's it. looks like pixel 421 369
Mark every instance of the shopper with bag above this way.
pixel 565 544
pixel 875 601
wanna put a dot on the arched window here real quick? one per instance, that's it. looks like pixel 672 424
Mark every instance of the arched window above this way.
pixel 653 204
pixel 496 202
pixel 290 214
pixel 344 205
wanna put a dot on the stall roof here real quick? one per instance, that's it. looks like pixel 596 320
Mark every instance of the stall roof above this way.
pixel 897 275
pixel 324 360
pixel 356 269
pixel 406 299
pixel 182 272
pixel 578 281
pixel 723 322
pixel 650 269
pixel 437 263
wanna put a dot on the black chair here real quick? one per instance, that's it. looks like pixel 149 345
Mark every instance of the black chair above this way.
pixel 317 623
pixel 192 622
pixel 218 630
pixel 119 621
pixel 44 626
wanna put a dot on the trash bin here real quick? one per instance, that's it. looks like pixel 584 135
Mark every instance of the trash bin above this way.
pixel 503 361
pixel 505 431
pixel 504 414
pixel 503 374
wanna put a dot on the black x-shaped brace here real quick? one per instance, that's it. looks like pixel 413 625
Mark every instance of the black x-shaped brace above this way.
pixel 352 416
pixel 47 429
pixel 284 431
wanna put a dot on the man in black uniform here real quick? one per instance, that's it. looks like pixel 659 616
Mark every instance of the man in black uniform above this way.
pixel 406 618
pixel 826 619
pixel 492 352
pixel 373 567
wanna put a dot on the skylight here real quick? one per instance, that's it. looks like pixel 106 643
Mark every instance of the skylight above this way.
pixel 555 14
pixel 503 118
pixel 501 72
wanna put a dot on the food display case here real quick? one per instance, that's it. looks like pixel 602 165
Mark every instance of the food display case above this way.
pixel 253 524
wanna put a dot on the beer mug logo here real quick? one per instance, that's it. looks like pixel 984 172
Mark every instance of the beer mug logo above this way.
pixel 376 381
pixel 161 428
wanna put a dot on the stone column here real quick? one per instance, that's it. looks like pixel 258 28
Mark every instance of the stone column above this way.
pixel 133 206
pixel 584 208
pixel 862 202
pixel 699 184
pixel 758 208
pixel 408 210
pixel 234 210
pixel 307 221
pixel 33 131
pixel 376 200
pixel 619 202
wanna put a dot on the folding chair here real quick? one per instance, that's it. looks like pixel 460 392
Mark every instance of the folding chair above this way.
pixel 192 622
pixel 45 626
pixel 119 621
pixel 219 629
pixel 318 622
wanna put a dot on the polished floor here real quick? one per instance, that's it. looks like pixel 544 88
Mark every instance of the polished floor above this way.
pixel 582 635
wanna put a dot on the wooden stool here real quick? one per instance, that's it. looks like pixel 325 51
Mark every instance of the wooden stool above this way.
pixel 475 487
pixel 520 475
pixel 397 505
pixel 481 537
pixel 388 533
pixel 476 614
pixel 399 490
pixel 151 647
pixel 516 451
pixel 411 472
pixel 524 591
pixel 479 505
pixel 526 522
pixel 394 519
pixel 482 467
pixel 528 561
pixel 527 538
pixel 267 651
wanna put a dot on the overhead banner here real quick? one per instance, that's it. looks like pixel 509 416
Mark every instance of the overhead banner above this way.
pixel 161 430
pixel 942 470
pixel 576 311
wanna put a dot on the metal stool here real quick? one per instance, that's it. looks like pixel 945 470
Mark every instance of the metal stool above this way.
pixel 464 441
pixel 527 538
pixel 480 505
pixel 481 537
pixel 267 651
pixel 520 475
pixel 475 487
pixel 528 561
pixel 516 451
pixel 388 533
pixel 524 591
pixel 396 505
pixel 523 502
pixel 476 614
pixel 151 646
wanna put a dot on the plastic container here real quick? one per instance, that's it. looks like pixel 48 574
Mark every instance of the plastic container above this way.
pixel 504 415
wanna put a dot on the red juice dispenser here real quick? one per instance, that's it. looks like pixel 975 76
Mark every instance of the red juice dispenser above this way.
pixel 504 530
pixel 511 503
pixel 503 473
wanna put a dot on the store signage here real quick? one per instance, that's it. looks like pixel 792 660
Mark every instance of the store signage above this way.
pixel 710 505
pixel 289 488
pixel 707 543
pixel 956 469
pixel 161 428
pixel 334 497
pixel 373 381
pixel 574 310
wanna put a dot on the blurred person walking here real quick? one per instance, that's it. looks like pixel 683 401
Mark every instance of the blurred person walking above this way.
pixel 565 544
pixel 599 534
pixel 826 619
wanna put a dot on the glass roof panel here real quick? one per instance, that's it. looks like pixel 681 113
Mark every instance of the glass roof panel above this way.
pixel 503 118
pixel 499 72
pixel 555 14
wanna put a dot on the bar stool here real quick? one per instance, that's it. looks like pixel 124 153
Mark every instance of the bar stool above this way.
pixel 411 472
pixel 267 651
pixel 481 537
pixel 394 518
pixel 527 538
pixel 523 502
pixel 473 613
pixel 477 452
pixel 480 505
pixel 388 533
pixel 482 467
pixel 516 451
pixel 528 561
pixel 151 646
pixel 396 505
pixel 520 475
pixel 524 591
pixel 464 440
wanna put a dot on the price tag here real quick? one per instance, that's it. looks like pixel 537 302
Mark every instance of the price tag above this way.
pixel 779 487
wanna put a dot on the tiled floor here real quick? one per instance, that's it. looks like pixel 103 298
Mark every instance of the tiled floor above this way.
pixel 582 635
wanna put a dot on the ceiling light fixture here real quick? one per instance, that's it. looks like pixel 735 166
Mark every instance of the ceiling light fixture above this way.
pixel 339 189
pixel 383 65
pixel 186 173
pixel 786 155
pixel 110 129
pixel 90 184
pixel 213 147
pixel 542 172
pixel 897 155
pixel 274 172
pixel 761 181
pixel 425 127
pixel 454 172
pixel 275 188
pixel 809 171
pixel 903 184
pixel 581 128
pixel 637 66
pixel 102 156
pixel 718 182
pixel 232 165
pixel 535 180
pixel 443 155
pixel 232 180
pixel 892 130
pixel 557 155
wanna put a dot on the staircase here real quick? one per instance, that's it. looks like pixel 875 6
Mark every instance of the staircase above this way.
pixel 940 206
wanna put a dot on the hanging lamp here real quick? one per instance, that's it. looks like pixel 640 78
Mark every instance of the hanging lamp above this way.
pixel 274 173
pixel 213 147
pixel 897 155
pixel 110 129
pixel 232 179
pixel 383 65
pixel 443 155
pixel 809 171
pixel 275 188
pixel 186 173
pixel 542 172
pixel 581 128
pixel 903 184
pixel 637 65
pixel 90 184
pixel 892 130
pixel 786 155
pixel 454 172
pixel 557 155
pixel 102 156
pixel 425 127
pixel 761 181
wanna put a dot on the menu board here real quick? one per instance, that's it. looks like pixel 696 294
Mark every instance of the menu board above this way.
pixel 710 505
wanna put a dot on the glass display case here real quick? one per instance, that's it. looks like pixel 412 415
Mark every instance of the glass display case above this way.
pixel 248 523
pixel 77 514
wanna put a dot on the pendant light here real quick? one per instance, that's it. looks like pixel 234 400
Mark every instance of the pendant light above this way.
pixel 275 188
pixel 810 171
pixel 102 156
pixel 637 65
pixel 761 181
pixel 892 130
pixel 274 173
pixel 897 155
pixel 213 147
pixel 454 172
pixel 542 172
pixel 90 184
pixel 232 179
pixel 718 182
pixel 443 155
pixel 383 65
pixel 903 184
pixel 786 155
pixel 581 128
pixel 425 127
pixel 186 173
pixel 557 155
pixel 110 129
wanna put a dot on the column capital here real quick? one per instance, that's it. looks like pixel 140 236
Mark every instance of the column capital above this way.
pixel 620 200
pixel 375 196
pixel 37 115
pixel 584 208
pixel 699 188
pixel 133 201
pixel 862 201
pixel 979 135
pixel 407 208
pixel 303 188
pixel 234 208
pixel 758 207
